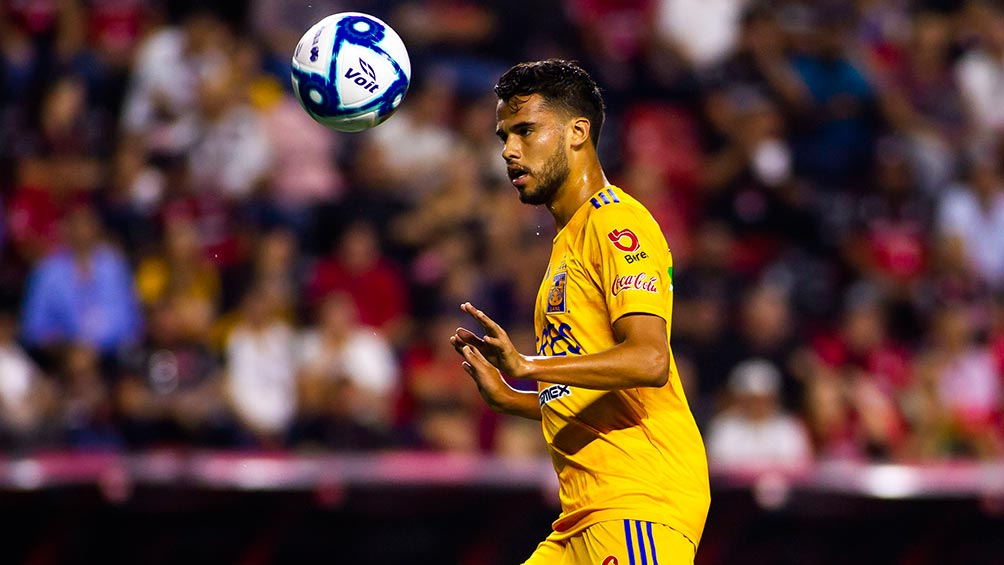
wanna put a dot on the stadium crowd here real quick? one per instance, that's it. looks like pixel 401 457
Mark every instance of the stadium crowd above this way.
pixel 187 259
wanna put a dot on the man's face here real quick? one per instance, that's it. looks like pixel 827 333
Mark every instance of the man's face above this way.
pixel 534 147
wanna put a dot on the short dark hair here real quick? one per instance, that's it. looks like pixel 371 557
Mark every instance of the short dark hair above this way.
pixel 560 83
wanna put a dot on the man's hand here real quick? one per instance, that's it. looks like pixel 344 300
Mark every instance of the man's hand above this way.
pixel 487 358
pixel 495 347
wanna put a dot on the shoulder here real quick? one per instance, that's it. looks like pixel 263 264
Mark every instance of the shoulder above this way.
pixel 612 205
pixel 624 222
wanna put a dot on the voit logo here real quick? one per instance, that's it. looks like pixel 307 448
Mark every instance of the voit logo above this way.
pixel 364 76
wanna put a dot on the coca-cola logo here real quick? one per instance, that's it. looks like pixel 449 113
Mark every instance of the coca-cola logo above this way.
pixel 640 281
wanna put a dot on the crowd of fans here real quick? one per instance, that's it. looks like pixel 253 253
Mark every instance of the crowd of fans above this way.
pixel 186 259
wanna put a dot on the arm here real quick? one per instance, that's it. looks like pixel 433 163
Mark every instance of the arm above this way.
pixel 640 358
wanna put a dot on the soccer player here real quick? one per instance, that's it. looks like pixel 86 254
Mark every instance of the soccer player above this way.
pixel 630 461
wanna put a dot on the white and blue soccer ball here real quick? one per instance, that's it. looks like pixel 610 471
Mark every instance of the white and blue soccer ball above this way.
pixel 350 71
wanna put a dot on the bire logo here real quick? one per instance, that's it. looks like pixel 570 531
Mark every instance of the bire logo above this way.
pixel 624 240
pixel 632 257
pixel 556 295
pixel 640 281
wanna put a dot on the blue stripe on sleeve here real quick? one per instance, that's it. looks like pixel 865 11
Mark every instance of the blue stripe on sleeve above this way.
pixel 603 197
pixel 610 191
pixel 641 543
pixel 627 540
pixel 596 203
pixel 651 544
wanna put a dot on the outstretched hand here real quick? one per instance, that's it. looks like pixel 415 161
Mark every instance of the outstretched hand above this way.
pixel 487 358
pixel 495 348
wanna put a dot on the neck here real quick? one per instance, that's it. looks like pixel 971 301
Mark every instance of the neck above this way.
pixel 582 182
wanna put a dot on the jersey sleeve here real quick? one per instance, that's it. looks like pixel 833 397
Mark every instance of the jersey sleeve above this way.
pixel 627 257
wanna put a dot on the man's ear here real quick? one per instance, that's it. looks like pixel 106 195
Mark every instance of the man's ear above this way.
pixel 579 132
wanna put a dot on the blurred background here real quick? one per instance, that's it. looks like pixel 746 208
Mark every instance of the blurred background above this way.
pixel 223 328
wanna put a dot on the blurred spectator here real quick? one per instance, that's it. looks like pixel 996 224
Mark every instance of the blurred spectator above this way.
pixel 755 432
pixel 160 104
pixel 439 397
pixel 82 293
pixel 169 387
pixel 703 292
pixel 832 138
pixel 70 127
pixel 304 171
pixel 981 70
pixel 888 243
pixel 959 398
pixel 277 266
pixel 405 173
pixel 753 190
pixel 764 329
pixel 921 97
pixel 28 399
pixel 33 209
pixel 182 276
pixel 376 285
pixel 856 391
pixel 260 381
pixel 971 220
pixel 231 153
pixel 348 379
pixel 760 63
pixel 88 410
pixel 704 31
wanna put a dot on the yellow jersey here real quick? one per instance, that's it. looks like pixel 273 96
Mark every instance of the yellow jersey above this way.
pixel 624 454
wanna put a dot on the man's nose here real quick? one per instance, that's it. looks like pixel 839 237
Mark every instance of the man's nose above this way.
pixel 510 152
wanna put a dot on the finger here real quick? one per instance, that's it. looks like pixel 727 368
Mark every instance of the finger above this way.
pixel 487 323
pixel 469 337
pixel 457 343
pixel 460 341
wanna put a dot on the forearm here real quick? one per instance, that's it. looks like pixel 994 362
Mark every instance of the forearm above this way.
pixel 519 403
pixel 622 366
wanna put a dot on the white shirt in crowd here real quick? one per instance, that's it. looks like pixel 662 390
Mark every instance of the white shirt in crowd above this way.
pixel 17 383
pixel 981 79
pixel 705 30
pixel 366 360
pixel 261 377
pixel 734 440
pixel 981 230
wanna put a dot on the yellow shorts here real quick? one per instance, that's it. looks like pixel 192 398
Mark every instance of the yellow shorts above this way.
pixel 617 542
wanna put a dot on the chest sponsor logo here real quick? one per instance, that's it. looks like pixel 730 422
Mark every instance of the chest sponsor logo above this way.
pixel 557 340
pixel 624 240
pixel 632 257
pixel 641 281
pixel 556 294
pixel 553 392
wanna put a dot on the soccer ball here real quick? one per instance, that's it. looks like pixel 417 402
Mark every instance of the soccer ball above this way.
pixel 350 71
